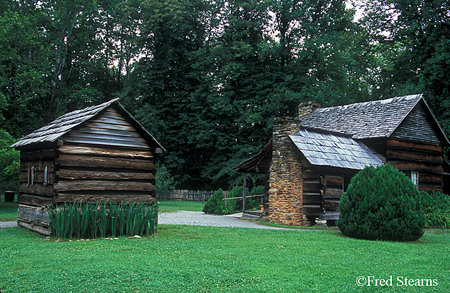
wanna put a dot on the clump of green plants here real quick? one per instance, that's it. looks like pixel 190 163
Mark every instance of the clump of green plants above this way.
pixel 87 220
pixel 381 204
pixel 164 182
pixel 436 206
pixel 215 204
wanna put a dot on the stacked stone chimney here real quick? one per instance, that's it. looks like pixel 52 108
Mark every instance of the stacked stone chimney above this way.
pixel 286 172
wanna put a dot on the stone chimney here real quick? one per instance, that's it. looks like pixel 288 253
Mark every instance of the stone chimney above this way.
pixel 286 171
pixel 307 108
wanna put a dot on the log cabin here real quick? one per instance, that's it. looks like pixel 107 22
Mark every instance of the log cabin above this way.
pixel 95 154
pixel 311 158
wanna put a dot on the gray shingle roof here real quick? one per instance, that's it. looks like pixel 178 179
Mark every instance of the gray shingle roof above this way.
pixel 336 151
pixel 65 123
pixel 374 119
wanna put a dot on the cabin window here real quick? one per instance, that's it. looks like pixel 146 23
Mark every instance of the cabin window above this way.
pixel 415 178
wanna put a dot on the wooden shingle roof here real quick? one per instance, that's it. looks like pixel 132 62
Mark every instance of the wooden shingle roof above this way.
pixel 376 119
pixel 53 131
pixel 324 149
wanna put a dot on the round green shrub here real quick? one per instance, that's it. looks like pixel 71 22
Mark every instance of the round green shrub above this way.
pixel 436 206
pixel 381 204
pixel 215 204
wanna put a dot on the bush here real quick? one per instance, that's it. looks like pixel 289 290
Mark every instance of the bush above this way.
pixel 381 204
pixel 215 204
pixel 164 182
pixel 436 207
pixel 235 205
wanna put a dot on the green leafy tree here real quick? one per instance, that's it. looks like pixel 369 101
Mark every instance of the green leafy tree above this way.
pixel 412 40
pixel 9 162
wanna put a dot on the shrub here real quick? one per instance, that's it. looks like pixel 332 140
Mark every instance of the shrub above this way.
pixel 381 204
pixel 164 182
pixel 235 205
pixel 436 207
pixel 215 204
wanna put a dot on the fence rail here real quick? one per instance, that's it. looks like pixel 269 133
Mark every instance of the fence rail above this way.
pixel 189 195
pixel 241 197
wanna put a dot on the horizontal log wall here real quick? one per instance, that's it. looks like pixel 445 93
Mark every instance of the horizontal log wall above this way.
pixel 105 159
pixel 312 199
pixel 37 173
pixel 99 173
pixel 427 159
pixel 34 218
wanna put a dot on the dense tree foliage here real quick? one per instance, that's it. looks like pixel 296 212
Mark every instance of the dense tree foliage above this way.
pixel 208 77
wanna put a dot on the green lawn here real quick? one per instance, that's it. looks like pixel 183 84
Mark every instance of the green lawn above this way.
pixel 8 211
pixel 212 259
pixel 167 206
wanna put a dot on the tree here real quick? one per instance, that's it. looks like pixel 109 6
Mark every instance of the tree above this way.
pixel 9 162
pixel 162 86
pixel 413 40
pixel 24 67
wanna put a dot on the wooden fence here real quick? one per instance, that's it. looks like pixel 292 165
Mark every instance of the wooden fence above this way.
pixel 190 195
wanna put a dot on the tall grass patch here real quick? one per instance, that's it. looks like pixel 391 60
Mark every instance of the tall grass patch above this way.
pixel 87 220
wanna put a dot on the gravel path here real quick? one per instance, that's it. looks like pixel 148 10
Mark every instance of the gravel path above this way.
pixel 8 224
pixel 202 219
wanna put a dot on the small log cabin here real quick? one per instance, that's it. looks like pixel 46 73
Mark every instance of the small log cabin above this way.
pixel 94 154
pixel 313 156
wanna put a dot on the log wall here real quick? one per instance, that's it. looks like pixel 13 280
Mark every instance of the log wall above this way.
pixel 425 158
pixel 105 159
pixel 36 189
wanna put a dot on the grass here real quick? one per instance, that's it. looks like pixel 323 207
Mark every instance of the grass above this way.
pixel 8 211
pixel 266 222
pixel 169 206
pixel 212 259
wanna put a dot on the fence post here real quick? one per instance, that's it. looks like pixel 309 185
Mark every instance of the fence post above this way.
pixel 244 192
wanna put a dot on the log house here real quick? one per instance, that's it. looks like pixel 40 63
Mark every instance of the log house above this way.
pixel 315 155
pixel 94 154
